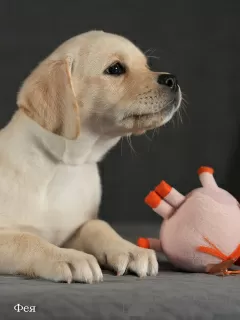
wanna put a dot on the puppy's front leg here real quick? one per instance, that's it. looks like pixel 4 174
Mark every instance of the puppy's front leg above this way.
pixel 27 254
pixel 96 237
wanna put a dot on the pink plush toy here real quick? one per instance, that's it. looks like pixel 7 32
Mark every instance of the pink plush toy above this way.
pixel 201 231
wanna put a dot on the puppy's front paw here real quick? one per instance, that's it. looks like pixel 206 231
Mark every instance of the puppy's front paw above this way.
pixel 70 265
pixel 124 256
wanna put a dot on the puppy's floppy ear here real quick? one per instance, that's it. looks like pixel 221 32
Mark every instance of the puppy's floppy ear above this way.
pixel 48 97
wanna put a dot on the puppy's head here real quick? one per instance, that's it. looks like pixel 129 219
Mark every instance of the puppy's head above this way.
pixel 100 80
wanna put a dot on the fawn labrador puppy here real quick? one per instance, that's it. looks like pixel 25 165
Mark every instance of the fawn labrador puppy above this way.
pixel 72 109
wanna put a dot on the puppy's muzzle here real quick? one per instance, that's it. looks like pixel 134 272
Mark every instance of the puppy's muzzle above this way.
pixel 168 80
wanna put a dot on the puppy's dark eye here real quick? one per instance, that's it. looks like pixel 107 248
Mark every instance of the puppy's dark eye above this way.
pixel 115 69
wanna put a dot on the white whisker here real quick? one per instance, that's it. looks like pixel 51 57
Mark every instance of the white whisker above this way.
pixel 130 144
pixel 145 134
pixel 154 57
pixel 121 145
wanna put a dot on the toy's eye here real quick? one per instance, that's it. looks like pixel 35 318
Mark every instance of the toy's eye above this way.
pixel 115 69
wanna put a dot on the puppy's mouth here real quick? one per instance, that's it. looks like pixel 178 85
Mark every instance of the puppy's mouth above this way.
pixel 161 113
pixel 138 122
pixel 142 116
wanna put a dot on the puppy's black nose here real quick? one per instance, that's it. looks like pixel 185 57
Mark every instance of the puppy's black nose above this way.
pixel 168 80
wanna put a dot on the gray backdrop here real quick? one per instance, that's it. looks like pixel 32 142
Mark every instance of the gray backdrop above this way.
pixel 197 40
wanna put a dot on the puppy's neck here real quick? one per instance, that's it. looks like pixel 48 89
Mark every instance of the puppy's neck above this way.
pixel 90 147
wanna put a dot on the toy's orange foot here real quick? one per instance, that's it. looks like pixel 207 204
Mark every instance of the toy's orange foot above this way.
pixel 143 243
pixel 227 273
pixel 233 273
pixel 222 268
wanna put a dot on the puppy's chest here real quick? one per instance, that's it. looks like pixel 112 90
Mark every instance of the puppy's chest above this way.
pixel 71 196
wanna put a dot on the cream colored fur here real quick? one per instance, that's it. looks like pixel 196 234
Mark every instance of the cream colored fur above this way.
pixel 70 115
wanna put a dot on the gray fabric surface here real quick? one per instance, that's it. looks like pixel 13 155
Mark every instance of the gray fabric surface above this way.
pixel 171 295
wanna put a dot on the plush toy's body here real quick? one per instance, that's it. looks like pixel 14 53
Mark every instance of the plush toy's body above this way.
pixel 200 230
